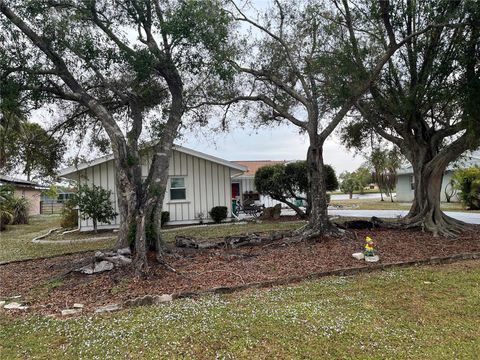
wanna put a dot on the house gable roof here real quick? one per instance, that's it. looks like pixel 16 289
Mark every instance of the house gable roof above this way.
pixel 73 169
pixel 253 165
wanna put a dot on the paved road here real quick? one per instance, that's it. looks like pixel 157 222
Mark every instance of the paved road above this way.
pixel 471 218
pixel 367 196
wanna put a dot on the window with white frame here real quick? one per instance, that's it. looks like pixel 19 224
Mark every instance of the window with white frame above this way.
pixel 178 190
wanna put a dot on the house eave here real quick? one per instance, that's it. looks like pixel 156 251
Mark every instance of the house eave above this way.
pixel 74 169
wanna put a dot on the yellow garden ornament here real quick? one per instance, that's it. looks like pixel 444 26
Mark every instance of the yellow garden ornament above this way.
pixel 369 250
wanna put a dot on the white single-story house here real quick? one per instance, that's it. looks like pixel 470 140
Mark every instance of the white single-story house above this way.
pixel 406 180
pixel 197 182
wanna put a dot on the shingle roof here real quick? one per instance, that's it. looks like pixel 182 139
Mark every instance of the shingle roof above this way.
pixel 253 165
pixel 4 179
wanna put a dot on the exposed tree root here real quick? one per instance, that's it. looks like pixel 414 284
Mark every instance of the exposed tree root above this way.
pixel 309 232
pixel 435 222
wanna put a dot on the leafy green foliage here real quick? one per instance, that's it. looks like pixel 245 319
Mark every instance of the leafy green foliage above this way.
pixel 218 213
pixel 13 210
pixel 290 181
pixel 29 147
pixel 20 210
pixel 385 164
pixel 467 182
pixel 6 199
pixel 363 176
pixel 95 203
pixel 349 183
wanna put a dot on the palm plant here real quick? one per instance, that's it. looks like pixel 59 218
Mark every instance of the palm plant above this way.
pixel 6 211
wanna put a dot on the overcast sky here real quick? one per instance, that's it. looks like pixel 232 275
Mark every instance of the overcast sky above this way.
pixel 280 143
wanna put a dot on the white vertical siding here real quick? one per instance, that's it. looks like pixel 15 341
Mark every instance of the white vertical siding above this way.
pixel 207 183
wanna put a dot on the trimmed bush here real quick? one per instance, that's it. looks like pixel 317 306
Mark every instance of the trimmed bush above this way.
pixel 218 213
pixel 69 218
pixel 69 214
pixel 165 217
pixel 467 181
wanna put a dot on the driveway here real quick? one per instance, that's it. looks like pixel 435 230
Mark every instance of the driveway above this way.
pixel 470 218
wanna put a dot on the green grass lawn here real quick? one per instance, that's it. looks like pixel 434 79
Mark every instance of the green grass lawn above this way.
pixel 366 191
pixel 414 313
pixel 16 241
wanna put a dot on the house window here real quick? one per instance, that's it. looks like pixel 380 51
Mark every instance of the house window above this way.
pixel 412 182
pixel 177 188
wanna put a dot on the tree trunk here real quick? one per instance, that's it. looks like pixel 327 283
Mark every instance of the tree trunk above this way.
pixel 140 260
pixel 291 205
pixel 94 225
pixel 319 223
pixel 425 211
pixel 350 195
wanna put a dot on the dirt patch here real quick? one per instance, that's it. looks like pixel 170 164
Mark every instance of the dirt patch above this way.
pixel 199 270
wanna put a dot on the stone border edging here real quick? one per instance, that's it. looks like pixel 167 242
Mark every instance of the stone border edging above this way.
pixel 72 241
pixel 38 238
pixel 434 260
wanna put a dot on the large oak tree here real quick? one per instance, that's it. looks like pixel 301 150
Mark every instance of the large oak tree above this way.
pixel 426 100
pixel 121 63
pixel 287 73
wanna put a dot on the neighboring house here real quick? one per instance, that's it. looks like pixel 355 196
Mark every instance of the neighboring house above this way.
pixel 406 181
pixel 63 194
pixel 197 182
pixel 243 185
pixel 56 205
pixel 26 189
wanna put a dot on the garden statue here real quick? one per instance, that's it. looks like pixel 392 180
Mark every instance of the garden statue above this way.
pixel 369 250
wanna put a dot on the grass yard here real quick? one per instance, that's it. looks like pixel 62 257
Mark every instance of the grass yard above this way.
pixel 16 241
pixel 414 313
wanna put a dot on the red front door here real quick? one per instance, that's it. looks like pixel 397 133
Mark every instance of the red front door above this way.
pixel 235 190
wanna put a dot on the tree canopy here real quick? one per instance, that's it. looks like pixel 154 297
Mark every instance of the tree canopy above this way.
pixel 289 182
pixel 423 101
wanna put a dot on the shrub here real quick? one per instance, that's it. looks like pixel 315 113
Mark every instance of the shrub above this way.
pixel 20 207
pixel 69 214
pixel 165 217
pixel 6 211
pixel 94 203
pixel 219 213
pixel 467 181
pixel 69 218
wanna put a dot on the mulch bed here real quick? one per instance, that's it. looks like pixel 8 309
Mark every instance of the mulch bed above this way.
pixel 200 270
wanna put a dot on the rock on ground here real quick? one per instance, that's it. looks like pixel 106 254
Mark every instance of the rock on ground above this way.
pixel 15 306
pixel 97 268
pixel 68 312
pixel 107 308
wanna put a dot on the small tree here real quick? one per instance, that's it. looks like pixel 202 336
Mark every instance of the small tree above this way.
pixel 286 182
pixel 94 203
pixel 363 177
pixel 349 183
pixel 385 164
